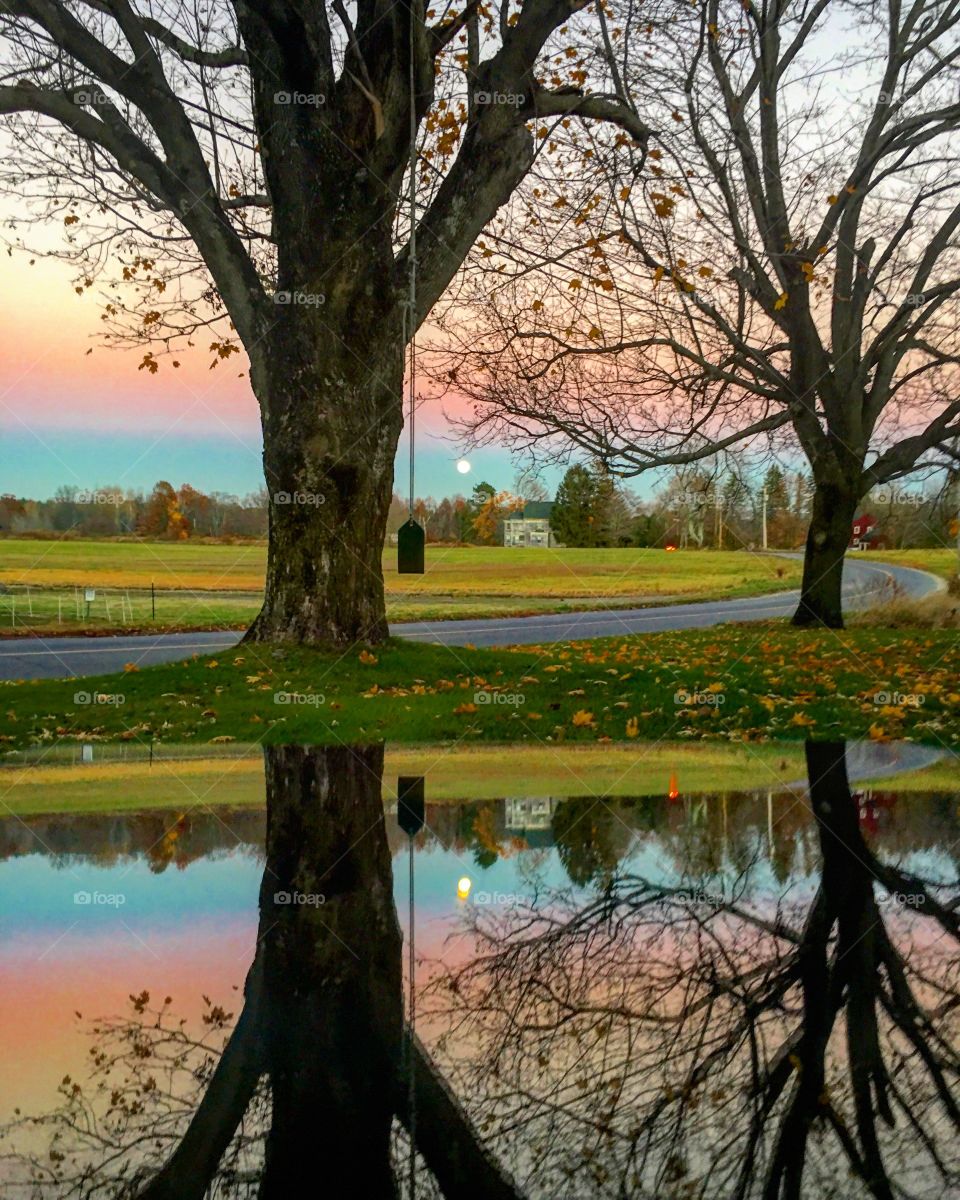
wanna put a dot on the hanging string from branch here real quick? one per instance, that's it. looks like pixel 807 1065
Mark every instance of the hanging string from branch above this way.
pixel 412 303
pixel 411 537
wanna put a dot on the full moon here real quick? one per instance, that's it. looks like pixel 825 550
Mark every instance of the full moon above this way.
pixel 463 466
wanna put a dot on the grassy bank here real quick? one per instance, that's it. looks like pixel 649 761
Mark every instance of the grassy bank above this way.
pixel 737 683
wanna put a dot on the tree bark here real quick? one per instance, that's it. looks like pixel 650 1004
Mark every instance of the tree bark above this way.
pixel 821 598
pixel 331 396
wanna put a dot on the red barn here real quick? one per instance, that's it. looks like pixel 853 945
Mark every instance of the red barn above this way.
pixel 863 533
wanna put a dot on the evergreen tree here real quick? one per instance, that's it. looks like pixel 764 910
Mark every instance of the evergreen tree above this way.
pixel 574 518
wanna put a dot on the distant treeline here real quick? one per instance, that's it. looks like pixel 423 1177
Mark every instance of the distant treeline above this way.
pixel 165 512
pixel 691 508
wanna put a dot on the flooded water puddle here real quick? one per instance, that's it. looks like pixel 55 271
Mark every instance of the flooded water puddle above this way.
pixel 726 994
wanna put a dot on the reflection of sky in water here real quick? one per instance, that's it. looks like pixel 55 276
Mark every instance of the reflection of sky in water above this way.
pixel 190 928
pixel 37 892
pixel 37 896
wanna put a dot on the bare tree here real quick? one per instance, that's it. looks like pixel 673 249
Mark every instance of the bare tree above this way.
pixel 787 267
pixel 689 1031
pixel 242 170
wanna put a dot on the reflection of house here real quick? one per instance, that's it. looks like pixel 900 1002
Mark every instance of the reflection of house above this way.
pixel 531 527
pixel 529 812
pixel 864 535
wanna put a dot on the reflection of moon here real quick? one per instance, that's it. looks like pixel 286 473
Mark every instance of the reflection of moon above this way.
pixel 464 885
pixel 463 466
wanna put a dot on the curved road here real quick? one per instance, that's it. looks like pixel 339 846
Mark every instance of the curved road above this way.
pixel 48 658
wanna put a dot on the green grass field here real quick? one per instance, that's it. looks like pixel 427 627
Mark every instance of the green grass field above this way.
pixel 742 683
pixel 215 586
pixel 475 772
pixel 83 562
pixel 452 773
pixel 942 562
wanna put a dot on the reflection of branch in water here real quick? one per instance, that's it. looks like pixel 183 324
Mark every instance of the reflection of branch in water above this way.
pixel 315 1057
pixel 147 1073
pixel 680 1041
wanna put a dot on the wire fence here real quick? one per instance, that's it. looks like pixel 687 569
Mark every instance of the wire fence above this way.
pixel 146 751
pixel 25 607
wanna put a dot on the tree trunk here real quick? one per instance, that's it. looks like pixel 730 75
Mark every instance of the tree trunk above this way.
pixel 189 1171
pixel 332 416
pixel 821 601
pixel 333 1011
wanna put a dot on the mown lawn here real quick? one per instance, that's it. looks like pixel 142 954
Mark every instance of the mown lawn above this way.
pixel 738 683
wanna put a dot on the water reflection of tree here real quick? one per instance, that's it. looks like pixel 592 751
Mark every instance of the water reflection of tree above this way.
pixel 693 1040
pixel 314 1076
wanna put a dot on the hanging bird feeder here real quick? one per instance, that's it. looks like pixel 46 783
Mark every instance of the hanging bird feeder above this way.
pixel 410 803
pixel 411 537
pixel 411 541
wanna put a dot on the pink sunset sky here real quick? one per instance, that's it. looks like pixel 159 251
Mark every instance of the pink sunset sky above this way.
pixel 69 417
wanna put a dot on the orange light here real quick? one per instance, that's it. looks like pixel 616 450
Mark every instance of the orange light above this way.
pixel 674 791
pixel 670 546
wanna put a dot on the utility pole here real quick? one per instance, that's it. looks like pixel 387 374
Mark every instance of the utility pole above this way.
pixel 719 501
pixel 956 496
pixel 764 542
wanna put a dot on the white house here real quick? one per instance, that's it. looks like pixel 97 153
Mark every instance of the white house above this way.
pixel 531 527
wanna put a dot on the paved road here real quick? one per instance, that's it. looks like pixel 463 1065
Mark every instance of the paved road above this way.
pixel 47 658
